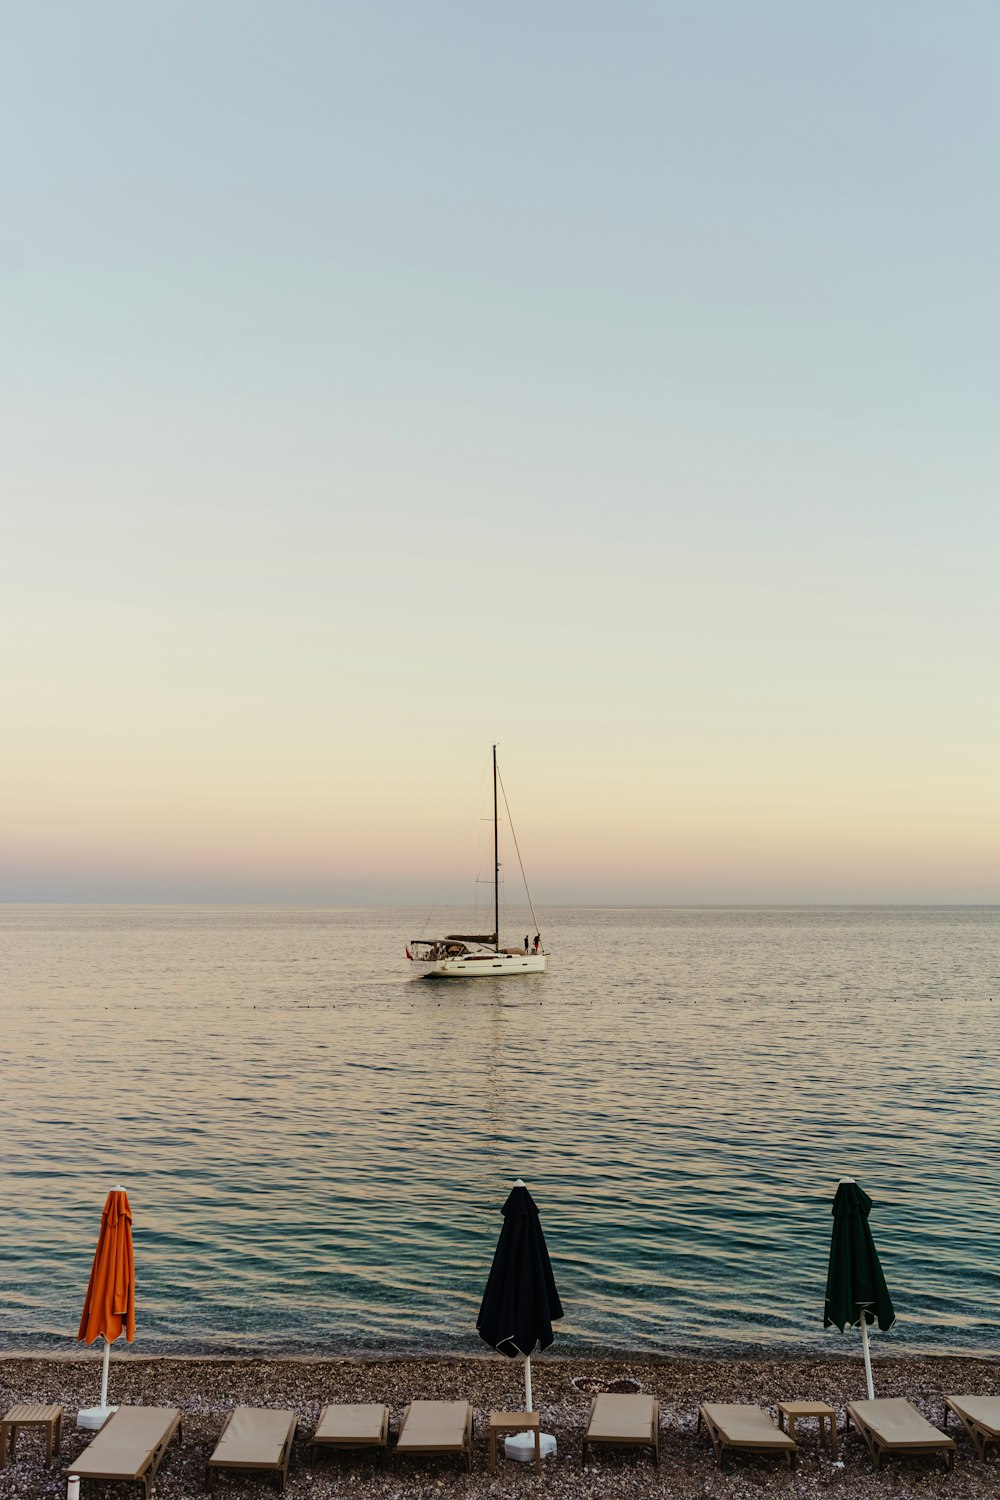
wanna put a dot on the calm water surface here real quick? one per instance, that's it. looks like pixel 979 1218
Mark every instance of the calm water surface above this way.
pixel 316 1144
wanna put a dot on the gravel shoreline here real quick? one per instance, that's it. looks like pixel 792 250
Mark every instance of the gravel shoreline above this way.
pixel 206 1389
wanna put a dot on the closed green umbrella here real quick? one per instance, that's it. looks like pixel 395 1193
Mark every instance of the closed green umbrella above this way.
pixel 855 1286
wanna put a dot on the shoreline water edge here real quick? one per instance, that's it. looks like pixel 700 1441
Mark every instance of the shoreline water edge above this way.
pixel 206 1388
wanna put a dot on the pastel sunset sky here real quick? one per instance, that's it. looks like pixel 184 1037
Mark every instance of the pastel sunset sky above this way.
pixel 616 383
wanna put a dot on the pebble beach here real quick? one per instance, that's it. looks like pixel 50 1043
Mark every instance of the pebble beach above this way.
pixel 205 1390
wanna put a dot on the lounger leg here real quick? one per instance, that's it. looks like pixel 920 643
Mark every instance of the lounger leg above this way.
pixel 157 1459
pixel 717 1445
pixel 714 1437
pixel 980 1440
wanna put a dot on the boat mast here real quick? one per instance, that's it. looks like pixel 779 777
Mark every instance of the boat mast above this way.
pixel 496 859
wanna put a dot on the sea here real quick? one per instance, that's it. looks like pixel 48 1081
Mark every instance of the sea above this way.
pixel 317 1144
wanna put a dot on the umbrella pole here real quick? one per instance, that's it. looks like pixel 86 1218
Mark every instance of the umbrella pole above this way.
pixel 868 1355
pixel 522 1446
pixel 94 1417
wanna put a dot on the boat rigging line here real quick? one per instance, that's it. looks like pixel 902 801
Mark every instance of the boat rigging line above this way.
pixel 510 824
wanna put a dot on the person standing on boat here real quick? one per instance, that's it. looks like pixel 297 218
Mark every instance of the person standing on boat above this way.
pixel 538 939
pixel 525 942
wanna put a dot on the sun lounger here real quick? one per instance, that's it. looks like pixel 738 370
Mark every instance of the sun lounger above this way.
pixel 255 1437
pixel 624 1421
pixel 891 1424
pixel 744 1429
pixel 130 1446
pixel 981 1415
pixel 435 1427
pixel 358 1426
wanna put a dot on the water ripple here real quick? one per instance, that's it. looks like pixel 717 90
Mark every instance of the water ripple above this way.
pixel 316 1146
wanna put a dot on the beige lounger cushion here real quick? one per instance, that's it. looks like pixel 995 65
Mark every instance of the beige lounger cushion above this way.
pixel 434 1426
pixel 746 1427
pixel 127 1443
pixel 254 1438
pixel 896 1423
pixel 359 1424
pixel 622 1419
pixel 982 1411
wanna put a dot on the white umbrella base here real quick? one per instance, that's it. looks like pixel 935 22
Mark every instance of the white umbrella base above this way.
pixel 94 1416
pixel 522 1446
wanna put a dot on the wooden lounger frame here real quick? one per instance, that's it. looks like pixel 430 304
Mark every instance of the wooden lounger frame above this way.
pixel 449 1451
pixel 722 1445
pixel 984 1436
pixel 279 1469
pixel 652 1442
pixel 881 1450
pixel 352 1444
pixel 145 1474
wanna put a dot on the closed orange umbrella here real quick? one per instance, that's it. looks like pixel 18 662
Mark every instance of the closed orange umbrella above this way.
pixel 109 1306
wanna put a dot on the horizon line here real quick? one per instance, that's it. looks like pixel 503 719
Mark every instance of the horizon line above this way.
pixel 550 906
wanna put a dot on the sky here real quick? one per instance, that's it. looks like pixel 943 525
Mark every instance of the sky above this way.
pixel 617 384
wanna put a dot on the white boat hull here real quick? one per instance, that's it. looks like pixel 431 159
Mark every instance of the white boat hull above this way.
pixel 484 965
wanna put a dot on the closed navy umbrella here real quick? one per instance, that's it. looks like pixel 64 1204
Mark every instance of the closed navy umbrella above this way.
pixel 855 1286
pixel 520 1302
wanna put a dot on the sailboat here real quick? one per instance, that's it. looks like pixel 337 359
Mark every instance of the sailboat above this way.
pixel 479 955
